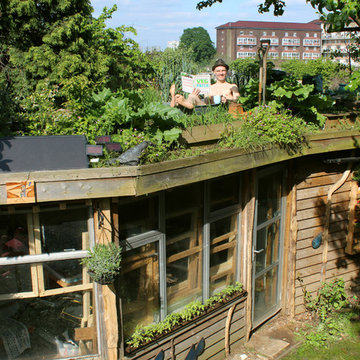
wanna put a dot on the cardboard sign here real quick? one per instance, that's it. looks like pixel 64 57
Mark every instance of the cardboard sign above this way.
pixel 20 192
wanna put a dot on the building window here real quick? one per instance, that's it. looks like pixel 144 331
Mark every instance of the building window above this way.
pixel 246 41
pixel 315 35
pixel 291 41
pixel 286 34
pixel 307 35
pixel 245 54
pixel 273 41
pixel 273 33
pixel 264 33
pixel 241 33
pixel 307 56
pixel 273 54
pixel 250 32
pixel 290 55
pixel 311 42
pixel 294 34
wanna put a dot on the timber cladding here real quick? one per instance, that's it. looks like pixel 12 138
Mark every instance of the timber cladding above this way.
pixel 316 184
pixel 211 327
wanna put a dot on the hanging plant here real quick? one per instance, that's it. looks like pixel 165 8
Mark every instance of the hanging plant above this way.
pixel 103 263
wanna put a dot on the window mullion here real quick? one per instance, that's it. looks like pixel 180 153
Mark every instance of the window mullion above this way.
pixel 31 237
pixel 37 241
pixel 162 258
pixel 206 261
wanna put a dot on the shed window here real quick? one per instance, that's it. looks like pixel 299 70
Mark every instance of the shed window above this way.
pixel 46 296
pixel 191 256
pixel 139 287
pixel 138 216
pixel 223 235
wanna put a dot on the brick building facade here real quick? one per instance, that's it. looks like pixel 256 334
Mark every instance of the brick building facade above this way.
pixel 241 39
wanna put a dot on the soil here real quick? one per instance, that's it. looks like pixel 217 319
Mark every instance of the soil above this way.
pixel 277 328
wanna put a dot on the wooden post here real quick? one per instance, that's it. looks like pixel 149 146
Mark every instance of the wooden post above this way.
pixel 332 189
pixel 248 221
pixel 103 235
pixel 351 227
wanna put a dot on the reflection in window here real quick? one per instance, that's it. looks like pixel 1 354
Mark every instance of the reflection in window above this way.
pixel 48 328
pixel 139 287
pixel 267 246
pixel 224 192
pixel 137 216
pixel 222 253
pixel 13 235
pixel 269 197
pixel 63 230
pixel 15 278
pixel 59 274
pixel 266 295
pixel 183 246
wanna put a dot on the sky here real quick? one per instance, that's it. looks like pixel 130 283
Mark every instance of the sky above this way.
pixel 160 21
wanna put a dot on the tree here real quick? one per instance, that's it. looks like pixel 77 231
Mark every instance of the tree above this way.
pixel 198 39
pixel 336 13
pixel 56 47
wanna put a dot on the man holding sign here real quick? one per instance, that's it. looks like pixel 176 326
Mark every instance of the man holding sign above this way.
pixel 220 92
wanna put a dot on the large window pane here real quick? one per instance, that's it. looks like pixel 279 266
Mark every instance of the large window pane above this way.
pixel 15 278
pixel 63 230
pixel 224 192
pixel 14 235
pixel 266 292
pixel 48 328
pixel 60 274
pixel 267 246
pixel 183 246
pixel 137 216
pixel 222 253
pixel 269 197
pixel 139 287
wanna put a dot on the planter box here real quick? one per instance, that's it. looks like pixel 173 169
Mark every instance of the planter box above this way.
pixel 206 134
pixel 336 120
pixel 210 326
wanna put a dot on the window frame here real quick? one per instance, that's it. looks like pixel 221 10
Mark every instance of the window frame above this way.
pixel 36 258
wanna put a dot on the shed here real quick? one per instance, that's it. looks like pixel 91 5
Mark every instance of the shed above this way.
pixel 188 228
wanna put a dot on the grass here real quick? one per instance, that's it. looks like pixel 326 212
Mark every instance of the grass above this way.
pixel 343 346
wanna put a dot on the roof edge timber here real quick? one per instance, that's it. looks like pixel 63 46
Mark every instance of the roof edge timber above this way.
pixel 59 185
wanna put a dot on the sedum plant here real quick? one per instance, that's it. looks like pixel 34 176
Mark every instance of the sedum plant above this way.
pixel 103 262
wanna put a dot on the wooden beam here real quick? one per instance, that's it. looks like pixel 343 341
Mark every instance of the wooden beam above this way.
pixel 103 235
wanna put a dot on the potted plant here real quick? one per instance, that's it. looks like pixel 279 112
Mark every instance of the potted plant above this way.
pixel 103 262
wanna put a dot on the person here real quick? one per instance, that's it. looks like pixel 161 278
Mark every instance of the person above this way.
pixel 226 91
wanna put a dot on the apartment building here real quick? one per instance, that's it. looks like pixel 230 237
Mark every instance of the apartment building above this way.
pixel 339 41
pixel 241 39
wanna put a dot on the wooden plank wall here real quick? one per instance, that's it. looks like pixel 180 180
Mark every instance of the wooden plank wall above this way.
pixel 313 180
pixel 211 328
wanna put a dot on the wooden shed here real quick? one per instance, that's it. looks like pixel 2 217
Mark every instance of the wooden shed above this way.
pixel 189 228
